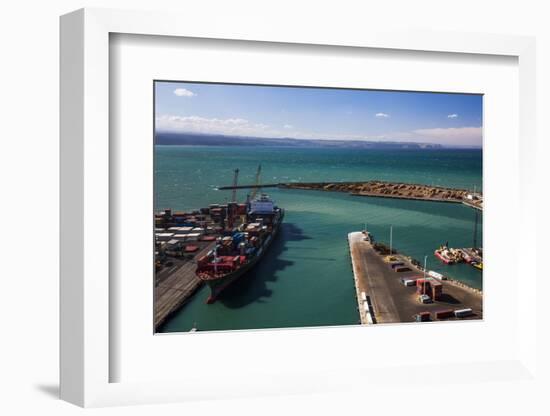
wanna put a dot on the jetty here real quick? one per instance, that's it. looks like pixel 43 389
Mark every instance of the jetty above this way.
pixel 396 190
pixel 382 189
pixel 391 299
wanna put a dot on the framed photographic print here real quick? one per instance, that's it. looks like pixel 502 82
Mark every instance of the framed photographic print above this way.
pixel 250 207
pixel 259 191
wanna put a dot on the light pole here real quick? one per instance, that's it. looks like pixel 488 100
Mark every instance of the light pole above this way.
pixel 424 285
pixel 391 240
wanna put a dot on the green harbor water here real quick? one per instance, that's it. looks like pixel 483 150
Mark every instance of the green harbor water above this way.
pixel 305 279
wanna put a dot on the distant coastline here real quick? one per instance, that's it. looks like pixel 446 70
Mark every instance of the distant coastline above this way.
pixel 189 139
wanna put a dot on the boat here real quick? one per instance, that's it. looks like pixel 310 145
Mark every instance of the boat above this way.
pixel 447 255
pixel 466 256
pixel 477 265
pixel 236 254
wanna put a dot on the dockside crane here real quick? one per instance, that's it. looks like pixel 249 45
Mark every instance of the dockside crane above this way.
pixel 235 179
pixel 256 182
pixel 231 207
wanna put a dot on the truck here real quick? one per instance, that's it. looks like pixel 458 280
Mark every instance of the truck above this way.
pixel 424 299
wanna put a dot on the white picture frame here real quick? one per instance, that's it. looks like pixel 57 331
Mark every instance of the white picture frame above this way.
pixel 86 353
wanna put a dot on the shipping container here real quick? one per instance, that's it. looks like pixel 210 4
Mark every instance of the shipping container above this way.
pixel 443 314
pixel 439 276
pixel 422 317
pixel 164 236
pixel 433 287
pixel 192 237
pixel 462 313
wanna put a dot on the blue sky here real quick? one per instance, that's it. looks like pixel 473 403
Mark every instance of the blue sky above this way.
pixel 318 113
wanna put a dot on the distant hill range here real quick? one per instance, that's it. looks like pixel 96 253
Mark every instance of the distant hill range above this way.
pixel 219 140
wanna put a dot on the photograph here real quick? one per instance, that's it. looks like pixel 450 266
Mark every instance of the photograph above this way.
pixel 281 206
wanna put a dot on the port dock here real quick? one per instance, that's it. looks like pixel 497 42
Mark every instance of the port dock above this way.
pixel 390 299
pixel 371 276
pixel 175 285
pixel 181 239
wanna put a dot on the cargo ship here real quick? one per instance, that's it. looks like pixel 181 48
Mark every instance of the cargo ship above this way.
pixel 237 253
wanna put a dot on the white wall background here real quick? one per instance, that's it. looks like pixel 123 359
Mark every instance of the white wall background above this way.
pixel 29 82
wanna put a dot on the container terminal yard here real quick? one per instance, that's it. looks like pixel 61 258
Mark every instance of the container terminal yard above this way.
pixel 180 239
pixel 215 245
pixel 390 288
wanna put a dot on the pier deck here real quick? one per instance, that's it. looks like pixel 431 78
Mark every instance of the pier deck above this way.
pixel 392 301
pixel 175 286
pixel 372 276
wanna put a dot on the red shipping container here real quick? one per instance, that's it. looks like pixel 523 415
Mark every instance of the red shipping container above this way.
pixel 446 313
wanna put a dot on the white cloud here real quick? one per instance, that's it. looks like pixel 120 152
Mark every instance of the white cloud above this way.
pixel 381 115
pixel 454 115
pixel 182 92
pixel 196 124
pixel 288 126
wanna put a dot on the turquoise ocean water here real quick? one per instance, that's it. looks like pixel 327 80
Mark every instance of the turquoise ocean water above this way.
pixel 306 279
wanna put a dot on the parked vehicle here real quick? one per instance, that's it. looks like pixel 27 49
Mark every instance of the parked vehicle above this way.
pixel 425 299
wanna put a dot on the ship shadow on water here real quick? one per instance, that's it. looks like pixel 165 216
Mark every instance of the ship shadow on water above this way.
pixel 252 287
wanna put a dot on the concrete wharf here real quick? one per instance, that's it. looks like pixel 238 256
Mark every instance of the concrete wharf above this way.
pixel 393 302
pixel 175 287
